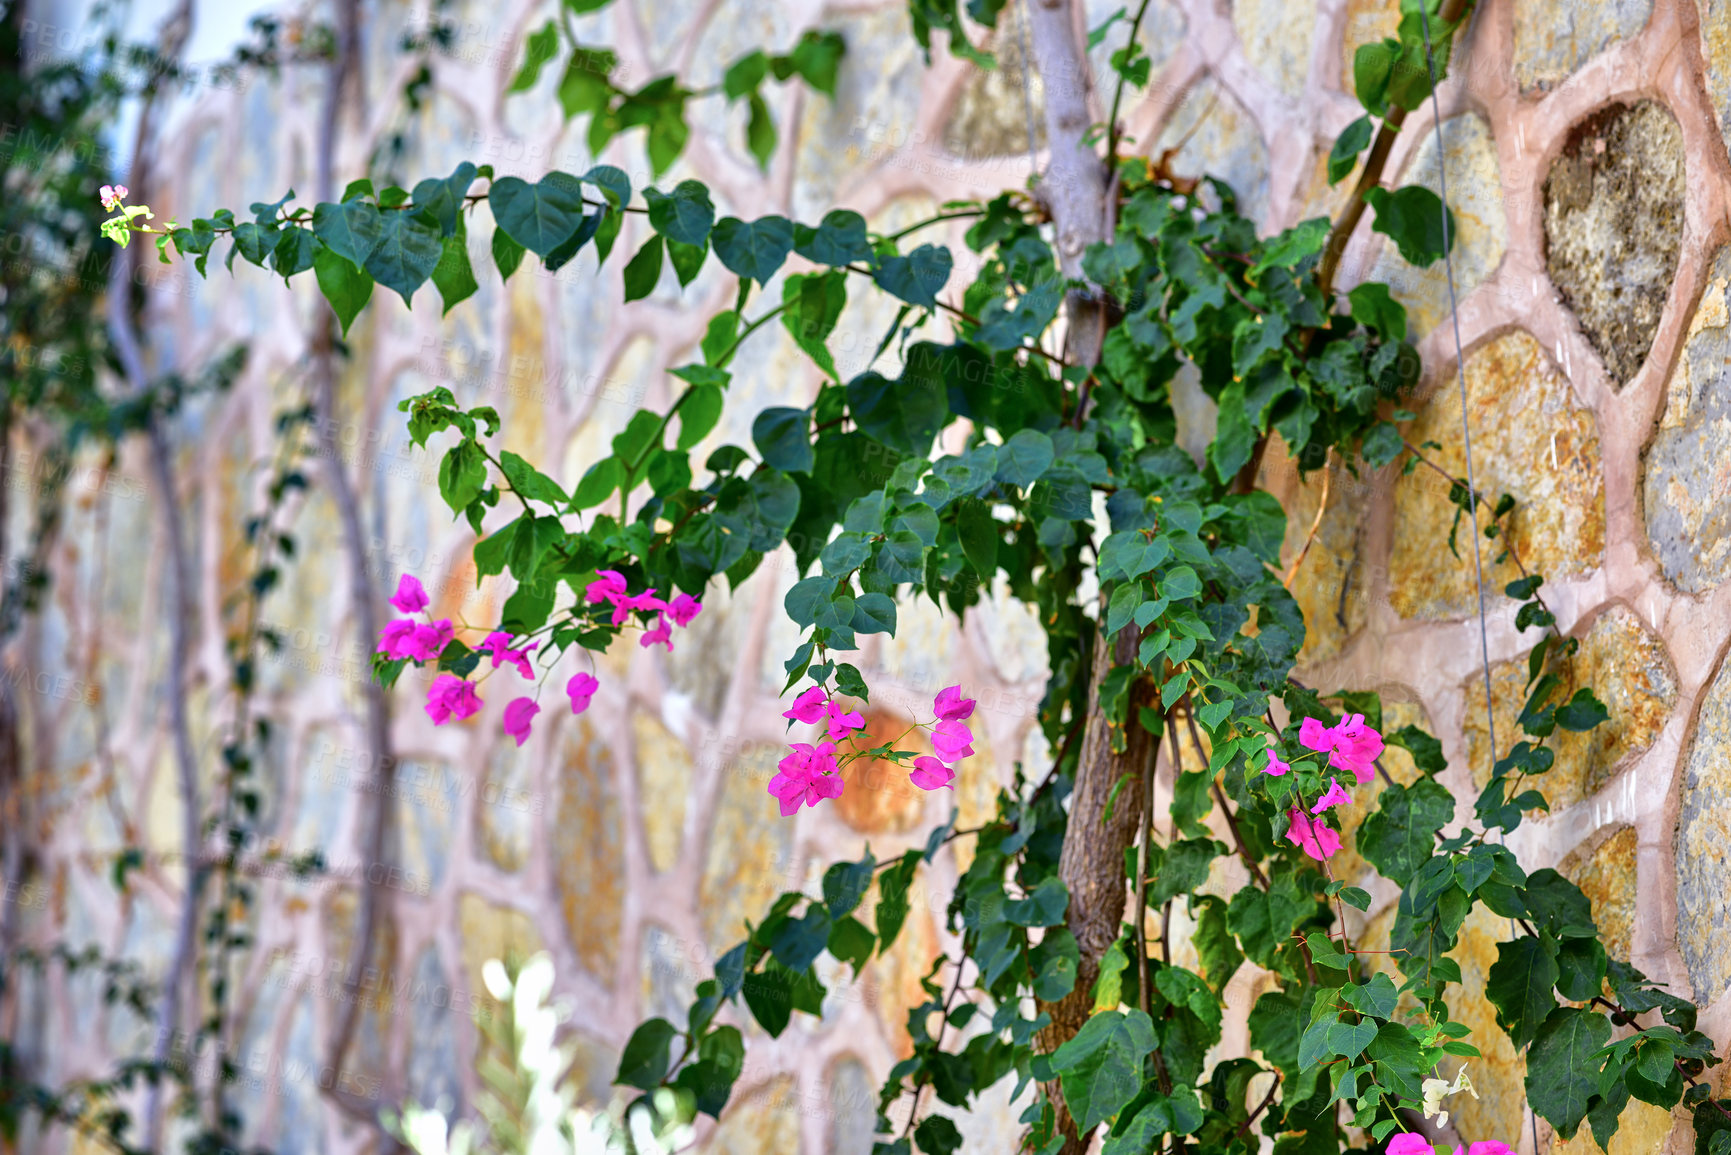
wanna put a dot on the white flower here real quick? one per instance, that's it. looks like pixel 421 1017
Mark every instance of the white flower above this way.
pixel 1436 1090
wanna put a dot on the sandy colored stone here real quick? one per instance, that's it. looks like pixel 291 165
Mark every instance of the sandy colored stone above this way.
pixel 892 978
pixel 664 780
pixel 489 931
pixel 1703 835
pixel 1552 40
pixel 879 798
pixel 1642 1129
pixel 995 107
pixel 750 855
pixel 762 1119
pixel 1217 136
pixel 1530 440
pixel 379 992
pixel 1613 226
pixel 1500 1073
pixel 1475 194
pixel 1627 669
pixel 1716 52
pixel 1606 875
pixel 590 863
pixel 1277 35
pixel 1367 21
pixel 1330 582
pixel 1686 482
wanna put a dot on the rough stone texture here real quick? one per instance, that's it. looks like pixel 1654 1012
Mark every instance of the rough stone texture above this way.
pixel 1704 846
pixel 1329 583
pixel 1686 486
pixel 993 113
pixel 599 866
pixel 1277 36
pixel 1613 224
pixel 1552 40
pixel 1530 440
pixel 1475 188
pixel 1608 878
pixel 1629 672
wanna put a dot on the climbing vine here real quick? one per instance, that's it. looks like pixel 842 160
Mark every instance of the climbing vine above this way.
pixel 1168 621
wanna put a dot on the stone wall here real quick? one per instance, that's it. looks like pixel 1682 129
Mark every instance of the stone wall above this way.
pixel 1584 145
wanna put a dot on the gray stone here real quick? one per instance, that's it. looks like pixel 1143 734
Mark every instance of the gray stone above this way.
pixel 1217 136
pixel 1685 488
pixel 432 1077
pixel 1613 225
pixel 1552 40
pixel 1702 854
pixel 850 1108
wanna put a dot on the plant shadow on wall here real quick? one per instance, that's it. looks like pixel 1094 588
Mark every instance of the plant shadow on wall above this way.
pixel 1190 643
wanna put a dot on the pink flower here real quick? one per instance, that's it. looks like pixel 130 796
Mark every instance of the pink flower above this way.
pixel 930 774
pixel 1275 766
pixel 430 640
pixel 1488 1147
pixel 609 585
pixel 581 687
pixel 410 598
pixel 1356 748
pixel 661 635
pixel 1334 797
pixel 807 774
pixel 1313 735
pixel 951 706
pixel 1312 835
pixel 397 639
pixel 809 707
pixel 498 644
pixel 1407 1143
pixel 518 715
pixel 952 741
pixel 451 697
pixel 624 606
pixel 682 609
pixel 842 722
pixel 112 195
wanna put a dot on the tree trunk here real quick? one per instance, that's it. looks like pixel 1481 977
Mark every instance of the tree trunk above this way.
pixel 1075 188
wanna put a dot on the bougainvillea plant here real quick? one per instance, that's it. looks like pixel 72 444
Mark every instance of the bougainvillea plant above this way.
pixel 1155 575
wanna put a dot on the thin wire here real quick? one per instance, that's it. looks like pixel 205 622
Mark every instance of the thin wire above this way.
pixel 1466 430
pixel 1027 97
pixel 1461 366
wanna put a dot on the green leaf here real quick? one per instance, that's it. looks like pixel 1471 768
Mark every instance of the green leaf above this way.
pixel 1376 310
pixel 916 278
pixel 685 215
pixel 1562 1075
pixel 1582 712
pixel 585 89
pixel 598 483
pixel 769 995
pixel 540 216
pixel 937 1135
pixel 1101 1067
pixel 507 254
pixel 852 942
pixel 453 276
pixel 840 240
pixel 1371 66
pixel 408 252
pixel 643 271
pixel 904 415
pixel 351 230
pixel 1055 962
pixel 646 1057
pixel 754 250
pixel 892 909
pixel 1519 985
pixel 782 435
pixel 698 414
pixel 1582 963
pixel 462 474
pixel 1343 158
pixel 744 75
pixel 845 883
pixel 1398 838
pixel 1044 906
pixel 1413 218
pixel 1426 751
pixel 540 48
pixel 346 287
pixel 1024 458
pixel 978 532
pixel 760 132
pixel 874 613
pixel 817 58
pixel 812 304
pixel 443 198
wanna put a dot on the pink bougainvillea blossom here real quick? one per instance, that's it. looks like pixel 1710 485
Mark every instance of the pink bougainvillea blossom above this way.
pixel 431 640
pixel 1409 1143
pixel 407 638
pixel 1488 1147
pixel 410 597
pixel 112 195
pixel 809 707
pixel 609 584
pixel 1275 766
pixel 1335 796
pixel 1352 745
pixel 498 643
pixel 842 722
pixel 1312 835
pixel 661 635
pixel 451 697
pixel 518 715
pixel 808 774
pixel 397 638
pixel 952 741
pixel 951 706
pixel 581 688
pixel 930 774
pixel 683 609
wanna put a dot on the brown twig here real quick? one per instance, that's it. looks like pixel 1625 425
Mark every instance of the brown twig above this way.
pixel 1315 524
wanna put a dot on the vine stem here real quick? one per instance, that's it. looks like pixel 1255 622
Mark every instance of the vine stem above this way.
pixel 1315 524
pixel 1113 134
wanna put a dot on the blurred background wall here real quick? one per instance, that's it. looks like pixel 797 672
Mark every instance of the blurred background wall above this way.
pixel 1585 149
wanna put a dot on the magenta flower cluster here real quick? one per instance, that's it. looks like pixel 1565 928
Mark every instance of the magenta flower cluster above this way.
pixel 810 773
pixel 1350 745
pixel 454 698
pixel 1409 1143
